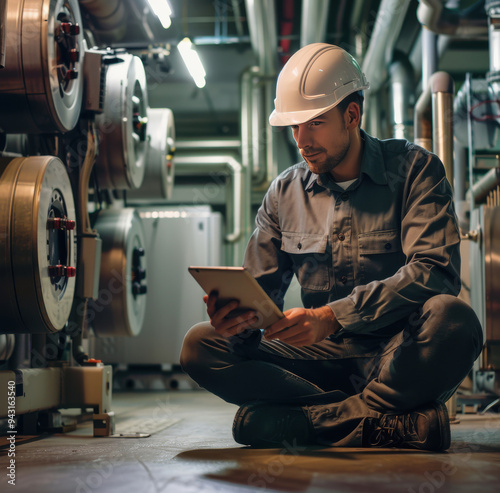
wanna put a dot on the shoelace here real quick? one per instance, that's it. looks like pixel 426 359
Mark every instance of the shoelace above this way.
pixel 392 430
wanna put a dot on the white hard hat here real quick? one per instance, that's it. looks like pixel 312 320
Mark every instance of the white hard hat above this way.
pixel 313 81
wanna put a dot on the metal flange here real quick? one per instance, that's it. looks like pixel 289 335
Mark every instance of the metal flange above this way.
pixel 121 305
pixel 37 245
pixel 122 126
pixel 42 83
pixel 160 170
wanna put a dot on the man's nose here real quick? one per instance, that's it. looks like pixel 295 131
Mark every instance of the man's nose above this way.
pixel 302 137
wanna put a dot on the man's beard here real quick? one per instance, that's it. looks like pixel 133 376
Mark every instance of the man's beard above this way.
pixel 329 162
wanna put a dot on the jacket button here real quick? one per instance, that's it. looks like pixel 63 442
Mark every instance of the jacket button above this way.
pixel 341 236
pixel 387 246
pixel 343 279
pixel 344 196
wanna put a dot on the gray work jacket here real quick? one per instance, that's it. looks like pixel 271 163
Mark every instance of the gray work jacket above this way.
pixel 374 252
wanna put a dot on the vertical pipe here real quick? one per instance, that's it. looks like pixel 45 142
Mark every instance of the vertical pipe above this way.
pixel 460 168
pixel 390 17
pixel 493 9
pixel 263 36
pixel 429 56
pixel 314 19
pixel 401 96
pixel 423 120
pixel 443 89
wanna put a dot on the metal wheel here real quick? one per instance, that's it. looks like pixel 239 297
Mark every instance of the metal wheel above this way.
pixel 159 173
pixel 42 82
pixel 121 305
pixel 37 245
pixel 122 126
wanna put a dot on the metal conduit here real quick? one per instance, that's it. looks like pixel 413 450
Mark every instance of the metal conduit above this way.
pixel 443 89
pixel 402 94
pixel 482 187
pixel 429 56
pixel 258 87
pixel 206 144
pixel 262 26
pixel 434 120
pixel 390 17
pixel 204 165
pixel 441 20
pixel 423 120
pixel 314 19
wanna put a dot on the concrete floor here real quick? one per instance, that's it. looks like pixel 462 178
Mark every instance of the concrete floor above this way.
pixel 191 450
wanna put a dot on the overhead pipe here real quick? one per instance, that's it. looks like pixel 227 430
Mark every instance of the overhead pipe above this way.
pixel 402 95
pixel 3 31
pixel 314 21
pixel 441 20
pixel 204 165
pixel 263 36
pixel 484 186
pixel 203 145
pixel 388 23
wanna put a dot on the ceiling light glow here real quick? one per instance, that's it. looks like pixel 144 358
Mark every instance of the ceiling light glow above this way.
pixel 162 10
pixel 192 61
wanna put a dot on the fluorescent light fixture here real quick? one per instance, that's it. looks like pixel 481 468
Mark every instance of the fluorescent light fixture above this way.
pixel 192 61
pixel 162 10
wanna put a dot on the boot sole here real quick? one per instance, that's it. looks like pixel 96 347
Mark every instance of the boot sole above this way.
pixel 444 425
pixel 237 425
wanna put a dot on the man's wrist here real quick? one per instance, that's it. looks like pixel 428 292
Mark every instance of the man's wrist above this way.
pixel 326 313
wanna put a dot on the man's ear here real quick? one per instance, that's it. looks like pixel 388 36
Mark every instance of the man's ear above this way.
pixel 352 115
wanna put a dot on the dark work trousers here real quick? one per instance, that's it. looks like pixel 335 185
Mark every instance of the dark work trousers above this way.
pixel 343 380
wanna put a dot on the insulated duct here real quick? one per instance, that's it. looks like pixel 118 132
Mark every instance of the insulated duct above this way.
pixel 441 20
pixel 262 26
pixel 388 23
pixel 402 97
pixel 258 90
pixel 314 19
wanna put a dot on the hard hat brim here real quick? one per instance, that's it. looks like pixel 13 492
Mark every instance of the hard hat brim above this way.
pixel 297 117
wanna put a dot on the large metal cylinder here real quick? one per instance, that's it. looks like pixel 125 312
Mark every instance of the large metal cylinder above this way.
pixel 37 245
pixel 121 305
pixel 42 82
pixel 122 127
pixel 159 166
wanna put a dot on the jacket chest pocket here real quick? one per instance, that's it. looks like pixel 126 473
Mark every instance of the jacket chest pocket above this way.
pixel 380 254
pixel 311 259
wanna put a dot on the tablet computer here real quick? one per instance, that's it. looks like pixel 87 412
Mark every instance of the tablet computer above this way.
pixel 236 283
